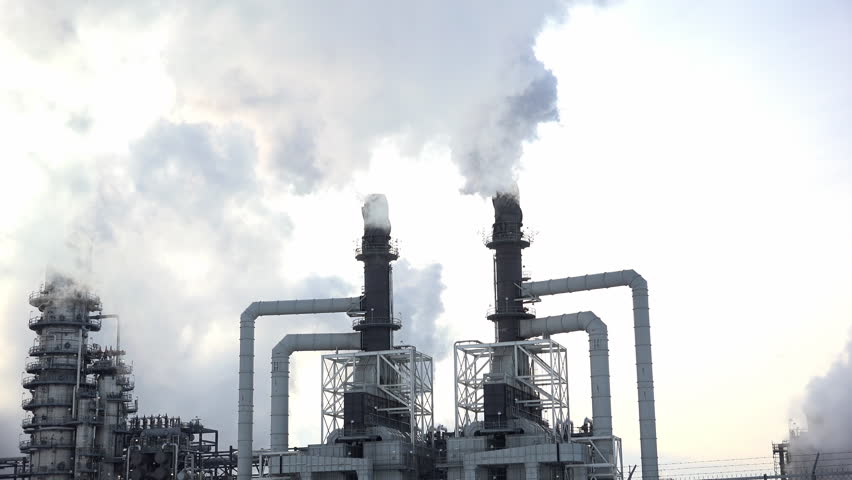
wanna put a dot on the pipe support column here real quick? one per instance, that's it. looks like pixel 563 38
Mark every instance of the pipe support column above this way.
pixel 245 406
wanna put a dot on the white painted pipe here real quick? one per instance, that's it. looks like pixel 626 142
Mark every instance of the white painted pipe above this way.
pixel 642 339
pixel 299 342
pixel 245 408
pixel 598 357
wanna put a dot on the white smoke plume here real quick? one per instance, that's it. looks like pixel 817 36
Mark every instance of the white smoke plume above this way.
pixel 828 407
pixel 376 212
pixel 489 151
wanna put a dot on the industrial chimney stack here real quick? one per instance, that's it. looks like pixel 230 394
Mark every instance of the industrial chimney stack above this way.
pixel 378 323
pixel 507 240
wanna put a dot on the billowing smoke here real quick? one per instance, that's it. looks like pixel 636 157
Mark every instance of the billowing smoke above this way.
pixel 319 91
pixel 417 299
pixel 376 212
pixel 489 151
pixel 828 407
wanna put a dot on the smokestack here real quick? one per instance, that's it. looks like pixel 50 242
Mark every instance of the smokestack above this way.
pixel 507 240
pixel 376 252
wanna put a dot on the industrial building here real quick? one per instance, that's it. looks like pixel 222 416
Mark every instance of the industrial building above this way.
pixel 511 394
pixel 377 418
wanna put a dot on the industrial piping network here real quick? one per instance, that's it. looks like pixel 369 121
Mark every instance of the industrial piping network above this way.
pixel 304 342
pixel 642 339
pixel 598 357
pixel 246 376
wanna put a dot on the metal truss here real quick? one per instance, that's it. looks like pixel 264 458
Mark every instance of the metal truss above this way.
pixel 540 364
pixel 602 465
pixel 411 386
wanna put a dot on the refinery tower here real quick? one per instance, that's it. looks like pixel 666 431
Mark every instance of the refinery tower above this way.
pixel 79 393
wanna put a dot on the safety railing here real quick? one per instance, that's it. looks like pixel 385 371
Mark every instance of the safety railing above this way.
pixel 34 402
pixel 41 296
pixel 392 248
pixel 512 308
pixel 367 322
pixel 520 235
pixel 37 321
pixel 32 422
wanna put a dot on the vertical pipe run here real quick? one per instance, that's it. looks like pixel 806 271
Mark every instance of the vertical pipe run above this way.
pixel 279 418
pixel 245 406
pixel 642 341
pixel 598 358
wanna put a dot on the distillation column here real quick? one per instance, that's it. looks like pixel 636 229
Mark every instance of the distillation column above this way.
pixel 62 402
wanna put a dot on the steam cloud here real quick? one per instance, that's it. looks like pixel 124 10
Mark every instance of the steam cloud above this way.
pixel 489 153
pixel 376 212
pixel 417 298
pixel 828 407
pixel 318 91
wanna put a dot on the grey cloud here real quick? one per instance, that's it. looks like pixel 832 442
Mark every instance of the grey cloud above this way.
pixel 319 90
pixel 294 160
pixel 417 299
pixel 191 167
pixel 9 443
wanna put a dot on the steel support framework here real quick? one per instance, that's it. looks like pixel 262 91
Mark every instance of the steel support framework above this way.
pixel 412 386
pixel 546 374
pixel 599 465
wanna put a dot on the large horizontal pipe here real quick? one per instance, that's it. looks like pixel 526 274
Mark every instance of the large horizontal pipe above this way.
pixel 642 339
pixel 245 409
pixel 598 357
pixel 298 342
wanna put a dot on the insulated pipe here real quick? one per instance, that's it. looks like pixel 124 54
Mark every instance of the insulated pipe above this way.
pixel 245 409
pixel 299 342
pixel 642 339
pixel 598 357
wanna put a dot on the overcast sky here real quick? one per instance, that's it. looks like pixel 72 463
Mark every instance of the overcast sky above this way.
pixel 185 161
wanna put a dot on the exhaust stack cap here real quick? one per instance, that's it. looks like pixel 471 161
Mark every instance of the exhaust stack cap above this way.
pixel 507 208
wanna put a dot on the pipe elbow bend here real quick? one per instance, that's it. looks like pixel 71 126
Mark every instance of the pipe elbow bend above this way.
pixel 285 347
pixel 594 324
pixel 249 314
pixel 634 280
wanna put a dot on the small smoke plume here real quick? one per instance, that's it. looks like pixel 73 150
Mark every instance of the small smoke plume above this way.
pixel 376 212
pixel 417 299
pixel 828 407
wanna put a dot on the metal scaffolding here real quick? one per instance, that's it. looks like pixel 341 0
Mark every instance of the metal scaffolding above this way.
pixel 540 364
pixel 411 386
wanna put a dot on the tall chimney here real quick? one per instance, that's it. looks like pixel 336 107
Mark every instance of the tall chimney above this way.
pixel 508 241
pixel 376 252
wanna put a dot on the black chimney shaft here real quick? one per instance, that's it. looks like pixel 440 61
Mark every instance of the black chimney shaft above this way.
pixel 507 241
pixel 378 323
